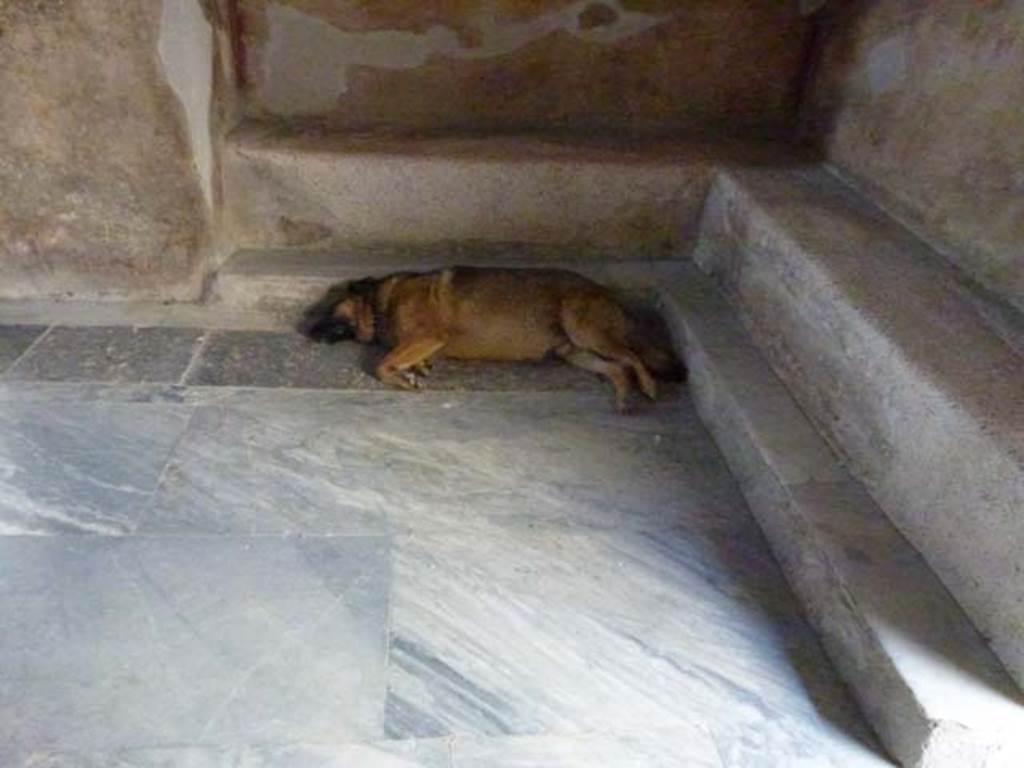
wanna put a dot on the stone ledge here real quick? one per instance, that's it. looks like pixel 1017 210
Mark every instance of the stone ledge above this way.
pixel 287 187
pixel 886 351
pixel 928 683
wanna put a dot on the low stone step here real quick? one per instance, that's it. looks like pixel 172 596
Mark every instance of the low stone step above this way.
pixel 286 280
pixel 925 678
pixel 291 187
pixel 886 351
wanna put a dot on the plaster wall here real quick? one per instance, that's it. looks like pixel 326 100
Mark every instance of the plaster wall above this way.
pixel 922 104
pixel 186 47
pixel 99 195
pixel 655 66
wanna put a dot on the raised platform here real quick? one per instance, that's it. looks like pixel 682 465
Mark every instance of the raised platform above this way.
pixel 885 349
pixel 934 691
pixel 288 188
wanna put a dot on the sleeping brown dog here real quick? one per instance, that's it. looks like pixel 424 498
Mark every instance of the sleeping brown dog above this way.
pixel 469 313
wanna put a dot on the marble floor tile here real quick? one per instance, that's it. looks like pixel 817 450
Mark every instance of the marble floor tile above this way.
pixel 14 340
pixel 99 392
pixel 424 753
pixel 113 643
pixel 111 354
pixel 82 467
pixel 239 471
pixel 430 462
pixel 540 632
pixel 677 748
pixel 263 359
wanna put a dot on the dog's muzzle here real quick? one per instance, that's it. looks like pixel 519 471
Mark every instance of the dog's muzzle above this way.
pixel 326 330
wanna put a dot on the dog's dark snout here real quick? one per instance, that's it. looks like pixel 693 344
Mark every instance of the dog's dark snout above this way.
pixel 319 324
pixel 326 330
pixel 311 323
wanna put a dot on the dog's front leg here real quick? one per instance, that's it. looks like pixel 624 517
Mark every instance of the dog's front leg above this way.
pixel 396 368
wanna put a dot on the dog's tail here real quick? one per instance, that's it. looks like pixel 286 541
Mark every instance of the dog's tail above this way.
pixel 663 362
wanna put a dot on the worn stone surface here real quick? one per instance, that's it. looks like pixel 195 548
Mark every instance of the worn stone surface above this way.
pixel 141 314
pixel 81 468
pixel 112 354
pixel 265 359
pixel 935 693
pixel 288 187
pixel 923 103
pixel 14 340
pixel 540 64
pixel 98 196
pixel 874 335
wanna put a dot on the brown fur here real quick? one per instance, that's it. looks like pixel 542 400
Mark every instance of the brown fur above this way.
pixel 489 314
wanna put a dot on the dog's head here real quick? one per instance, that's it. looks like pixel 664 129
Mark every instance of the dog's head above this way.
pixel 345 312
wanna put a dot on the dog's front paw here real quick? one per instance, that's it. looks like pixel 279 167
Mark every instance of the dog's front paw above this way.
pixel 399 379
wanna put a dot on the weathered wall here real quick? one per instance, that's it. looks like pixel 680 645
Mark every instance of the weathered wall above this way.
pixel 922 103
pixel 99 195
pixel 510 65
pixel 186 51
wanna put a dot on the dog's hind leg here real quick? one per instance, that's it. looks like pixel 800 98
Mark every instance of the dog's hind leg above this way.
pixel 600 326
pixel 588 361
pixel 396 368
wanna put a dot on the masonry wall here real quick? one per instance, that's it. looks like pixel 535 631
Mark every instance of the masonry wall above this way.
pixel 922 103
pixel 658 66
pixel 103 105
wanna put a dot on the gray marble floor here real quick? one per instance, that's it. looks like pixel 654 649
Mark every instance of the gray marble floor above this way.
pixel 234 550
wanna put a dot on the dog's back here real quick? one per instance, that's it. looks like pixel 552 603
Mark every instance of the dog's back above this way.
pixel 507 314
